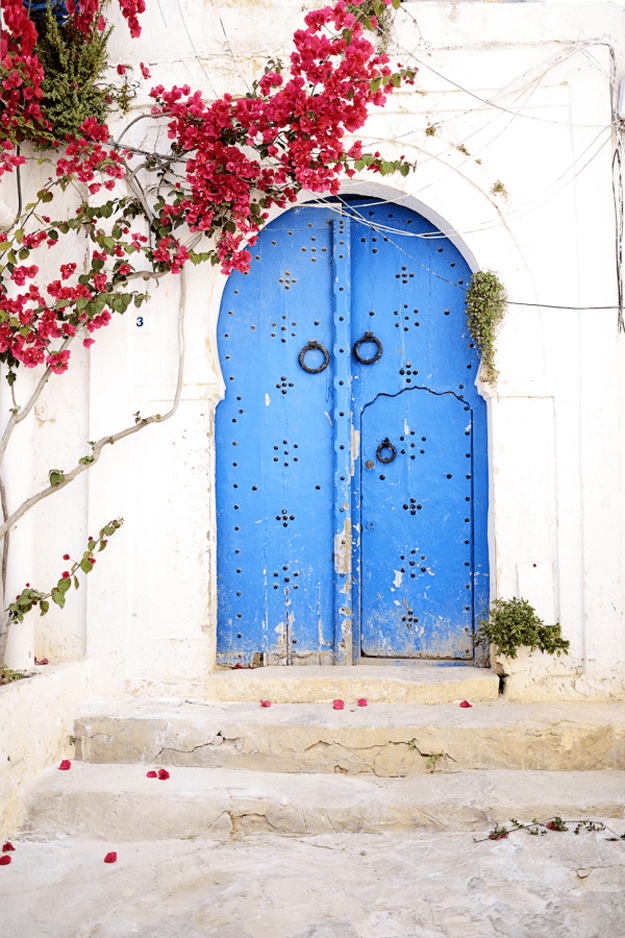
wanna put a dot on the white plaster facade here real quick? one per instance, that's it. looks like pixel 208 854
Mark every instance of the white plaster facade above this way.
pixel 530 91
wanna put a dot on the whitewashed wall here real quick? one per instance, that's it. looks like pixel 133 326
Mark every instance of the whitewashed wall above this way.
pixel 526 89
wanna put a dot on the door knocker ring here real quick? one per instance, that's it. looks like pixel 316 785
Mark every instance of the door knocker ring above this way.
pixel 368 337
pixel 307 348
pixel 386 444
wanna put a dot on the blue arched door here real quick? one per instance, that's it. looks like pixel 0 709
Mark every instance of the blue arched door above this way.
pixel 352 487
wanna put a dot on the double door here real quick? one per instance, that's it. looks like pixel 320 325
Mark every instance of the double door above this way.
pixel 351 445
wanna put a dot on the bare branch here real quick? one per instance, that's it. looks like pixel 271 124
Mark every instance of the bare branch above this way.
pixel 115 437
pixel 17 416
pixel 5 541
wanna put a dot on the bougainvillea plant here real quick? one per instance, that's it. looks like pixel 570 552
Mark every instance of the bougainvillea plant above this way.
pixel 230 162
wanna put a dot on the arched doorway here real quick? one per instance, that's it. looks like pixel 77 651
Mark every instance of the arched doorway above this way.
pixel 352 484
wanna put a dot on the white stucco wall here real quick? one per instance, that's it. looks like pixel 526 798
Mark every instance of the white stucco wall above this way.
pixel 526 89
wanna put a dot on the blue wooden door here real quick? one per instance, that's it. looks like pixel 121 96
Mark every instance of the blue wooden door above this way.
pixel 351 445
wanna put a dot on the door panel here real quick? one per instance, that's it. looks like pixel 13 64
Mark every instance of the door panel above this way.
pixel 274 452
pixel 416 526
pixel 311 543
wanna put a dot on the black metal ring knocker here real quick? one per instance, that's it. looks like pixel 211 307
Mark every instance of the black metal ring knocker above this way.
pixel 307 348
pixel 386 444
pixel 368 337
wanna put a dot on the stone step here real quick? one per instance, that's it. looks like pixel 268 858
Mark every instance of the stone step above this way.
pixel 395 682
pixel 384 740
pixel 119 803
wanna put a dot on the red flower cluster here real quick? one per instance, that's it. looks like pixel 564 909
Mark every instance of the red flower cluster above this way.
pixel 241 157
pixel 297 128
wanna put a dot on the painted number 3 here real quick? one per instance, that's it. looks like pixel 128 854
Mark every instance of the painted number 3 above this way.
pixel 139 321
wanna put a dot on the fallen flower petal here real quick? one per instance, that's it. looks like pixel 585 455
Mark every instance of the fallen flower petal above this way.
pixel 43 661
pixel 465 704
pixel 237 667
pixel 111 857
pixel 163 774
pixel 362 702
pixel 65 764
pixel 265 703
pixel 5 860
pixel 338 705
pixel 7 846
pixel 152 775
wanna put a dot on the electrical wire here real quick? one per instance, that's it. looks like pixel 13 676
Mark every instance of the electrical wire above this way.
pixel 195 50
pixel 472 94
pixel 355 215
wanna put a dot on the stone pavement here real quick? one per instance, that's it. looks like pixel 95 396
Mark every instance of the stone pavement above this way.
pixel 406 885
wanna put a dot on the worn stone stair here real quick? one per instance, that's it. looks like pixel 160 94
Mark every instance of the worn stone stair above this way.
pixel 385 740
pixel 301 769
pixel 118 803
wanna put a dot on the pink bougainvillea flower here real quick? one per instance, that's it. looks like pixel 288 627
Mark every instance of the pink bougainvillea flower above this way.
pixel 111 857
pixel 121 69
pixel 7 846
pixel 338 705
pixel 5 860
pixel 88 342
pixel 362 702
pixel 151 775
pixel 65 574
pixel 43 661
pixel 163 774
pixel 265 703
pixel 465 704
pixel 145 71
pixel 65 556
pixel 65 764
pixel 237 667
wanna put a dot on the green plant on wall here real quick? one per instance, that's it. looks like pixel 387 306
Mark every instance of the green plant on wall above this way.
pixel 73 89
pixel 485 309
pixel 513 623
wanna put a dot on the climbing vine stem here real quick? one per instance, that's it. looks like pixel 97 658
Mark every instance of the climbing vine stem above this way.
pixel 485 309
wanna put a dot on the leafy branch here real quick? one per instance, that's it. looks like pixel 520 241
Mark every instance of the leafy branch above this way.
pixel 29 598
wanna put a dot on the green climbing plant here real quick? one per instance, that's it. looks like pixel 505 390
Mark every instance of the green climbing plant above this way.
pixel 513 623
pixel 485 309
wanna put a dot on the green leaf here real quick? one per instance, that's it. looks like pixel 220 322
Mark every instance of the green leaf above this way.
pixel 102 546
pixel 76 583
pixel 19 235
pixel 85 565
pixel 374 84
pixel 58 597
pixel 5 245
pixel 64 584
pixel 44 606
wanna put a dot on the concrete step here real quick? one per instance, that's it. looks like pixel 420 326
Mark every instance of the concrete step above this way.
pixel 385 740
pixel 417 682
pixel 119 803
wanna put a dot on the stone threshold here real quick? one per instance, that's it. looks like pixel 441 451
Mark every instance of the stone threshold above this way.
pixel 428 683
